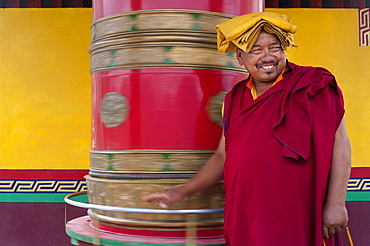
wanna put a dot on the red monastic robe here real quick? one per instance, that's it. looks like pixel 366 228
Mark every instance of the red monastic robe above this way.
pixel 278 156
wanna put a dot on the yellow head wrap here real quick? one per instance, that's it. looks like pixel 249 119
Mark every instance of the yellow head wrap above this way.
pixel 243 31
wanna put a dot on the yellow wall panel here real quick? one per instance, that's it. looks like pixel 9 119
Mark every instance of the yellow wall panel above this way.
pixel 45 88
pixel 45 81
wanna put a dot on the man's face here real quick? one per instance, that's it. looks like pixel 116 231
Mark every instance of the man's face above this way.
pixel 266 60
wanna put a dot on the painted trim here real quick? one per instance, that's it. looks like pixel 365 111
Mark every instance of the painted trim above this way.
pixel 42 174
pixel 358 196
pixel 33 186
pixel 41 186
pixel 33 197
pixel 360 172
pixel 102 241
pixel 364 26
pixel 53 185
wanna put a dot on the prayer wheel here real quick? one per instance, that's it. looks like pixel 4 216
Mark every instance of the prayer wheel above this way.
pixel 158 86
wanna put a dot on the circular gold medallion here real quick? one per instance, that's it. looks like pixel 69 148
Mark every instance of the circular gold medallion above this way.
pixel 114 109
pixel 214 108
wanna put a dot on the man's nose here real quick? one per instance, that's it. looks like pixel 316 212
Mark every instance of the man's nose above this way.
pixel 267 55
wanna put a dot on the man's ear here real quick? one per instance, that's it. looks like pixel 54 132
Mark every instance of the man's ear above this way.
pixel 239 56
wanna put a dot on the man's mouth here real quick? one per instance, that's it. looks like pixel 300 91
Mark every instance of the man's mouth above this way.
pixel 268 68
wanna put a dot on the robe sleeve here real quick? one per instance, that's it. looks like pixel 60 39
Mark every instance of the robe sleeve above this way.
pixel 293 122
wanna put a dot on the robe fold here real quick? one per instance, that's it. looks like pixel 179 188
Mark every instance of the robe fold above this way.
pixel 278 155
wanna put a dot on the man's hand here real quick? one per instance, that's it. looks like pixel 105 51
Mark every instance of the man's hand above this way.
pixel 334 219
pixel 209 175
pixel 166 198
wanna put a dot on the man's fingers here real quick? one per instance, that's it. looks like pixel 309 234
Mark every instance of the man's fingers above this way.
pixel 162 205
pixel 332 230
pixel 161 199
pixel 164 199
pixel 153 197
pixel 335 218
pixel 325 232
pixel 149 198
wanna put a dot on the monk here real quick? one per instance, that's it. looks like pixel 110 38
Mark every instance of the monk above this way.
pixel 284 154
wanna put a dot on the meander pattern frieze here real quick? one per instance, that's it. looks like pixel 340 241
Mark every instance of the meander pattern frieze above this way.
pixel 364 26
pixel 359 184
pixel 42 186
pixel 67 186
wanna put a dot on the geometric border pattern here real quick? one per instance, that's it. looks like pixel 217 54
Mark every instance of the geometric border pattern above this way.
pixel 52 185
pixel 42 186
pixel 364 26
pixel 71 186
pixel 359 184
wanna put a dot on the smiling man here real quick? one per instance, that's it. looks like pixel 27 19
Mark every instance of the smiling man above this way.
pixel 284 155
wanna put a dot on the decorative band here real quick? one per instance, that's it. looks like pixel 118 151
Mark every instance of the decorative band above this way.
pixel 129 193
pixel 130 176
pixel 157 20
pixel 164 222
pixel 147 161
pixel 152 151
pixel 69 186
pixel 359 184
pixel 364 26
pixel 42 186
pixel 170 55
pixel 171 38
pixel 174 233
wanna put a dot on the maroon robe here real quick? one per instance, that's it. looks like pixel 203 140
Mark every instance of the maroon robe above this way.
pixel 278 155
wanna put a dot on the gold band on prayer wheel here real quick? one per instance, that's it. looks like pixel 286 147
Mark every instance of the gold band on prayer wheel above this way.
pixel 171 38
pixel 128 193
pixel 148 161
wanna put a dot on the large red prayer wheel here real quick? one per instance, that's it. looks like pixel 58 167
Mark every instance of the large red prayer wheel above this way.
pixel 158 87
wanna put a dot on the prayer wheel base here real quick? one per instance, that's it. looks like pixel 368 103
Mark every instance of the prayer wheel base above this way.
pixel 84 232
pixel 129 193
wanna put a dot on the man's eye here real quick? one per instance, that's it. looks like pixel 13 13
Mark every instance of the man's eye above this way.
pixel 275 48
pixel 256 51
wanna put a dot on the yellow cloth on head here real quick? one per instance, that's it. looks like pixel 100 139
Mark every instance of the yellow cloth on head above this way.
pixel 243 31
